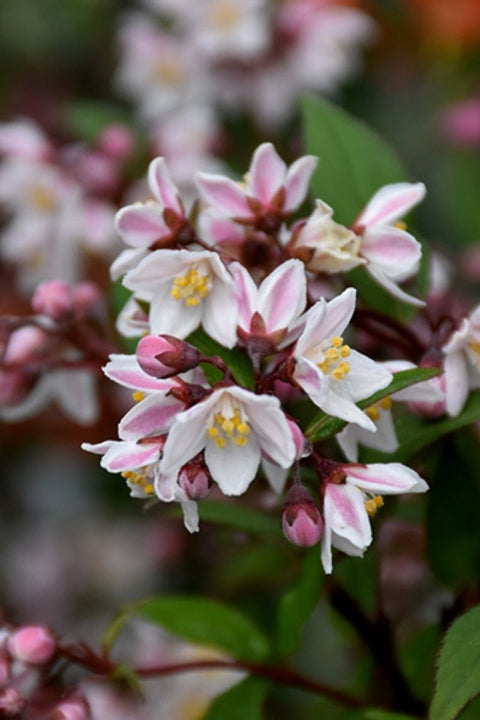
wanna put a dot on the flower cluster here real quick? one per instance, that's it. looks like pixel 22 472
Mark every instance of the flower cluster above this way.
pixel 242 274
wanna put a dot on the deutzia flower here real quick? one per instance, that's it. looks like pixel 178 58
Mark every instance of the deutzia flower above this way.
pixel 385 439
pixel 354 495
pixel 235 427
pixel 392 254
pixel 462 362
pixel 185 289
pixel 333 375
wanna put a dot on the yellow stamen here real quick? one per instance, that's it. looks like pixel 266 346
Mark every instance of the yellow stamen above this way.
pixel 41 198
pixel 401 225
pixel 138 395
pixel 225 15
pixel 232 428
pixel 190 287
pixel 331 364
pixel 373 413
pixel 372 505
pixel 386 403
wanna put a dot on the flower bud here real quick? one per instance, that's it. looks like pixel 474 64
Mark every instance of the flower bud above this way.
pixel 53 298
pixel 33 644
pixel 26 345
pixel 14 386
pixel 302 522
pixel 11 703
pixel 116 140
pixel 194 478
pixel 75 708
pixel 164 355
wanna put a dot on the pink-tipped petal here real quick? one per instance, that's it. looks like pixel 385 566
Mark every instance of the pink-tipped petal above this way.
pixel 390 203
pixel 393 288
pixel 224 195
pixel 162 186
pixel 394 251
pixel 386 478
pixel 125 370
pixel 457 382
pixel 246 293
pixel 141 225
pixel 267 173
pixel 151 416
pixel 298 179
pixel 347 517
pixel 123 456
pixel 282 296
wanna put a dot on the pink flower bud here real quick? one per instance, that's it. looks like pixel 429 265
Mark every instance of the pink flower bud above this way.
pixel 301 448
pixel 116 140
pixel 194 478
pixel 14 386
pixel 87 299
pixel 4 671
pixel 164 355
pixel 11 702
pixel 73 709
pixel 302 523
pixel 53 298
pixel 33 644
pixel 26 345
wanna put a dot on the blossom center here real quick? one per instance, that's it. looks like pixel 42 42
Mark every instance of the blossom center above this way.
pixel 168 72
pixel 475 347
pixel 41 198
pixel 227 426
pixel 334 362
pixel 374 411
pixel 139 479
pixel 191 287
pixel 373 504
pixel 225 15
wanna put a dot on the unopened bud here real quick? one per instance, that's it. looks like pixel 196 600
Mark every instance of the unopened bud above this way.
pixel 26 345
pixel 87 299
pixel 53 298
pixel 302 522
pixel 11 703
pixel 75 708
pixel 116 140
pixel 164 355
pixel 302 449
pixel 33 644
pixel 194 478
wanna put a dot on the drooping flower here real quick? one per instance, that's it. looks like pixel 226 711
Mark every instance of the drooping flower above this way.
pixel 356 493
pixel 392 254
pixel 333 375
pixel 185 289
pixel 462 362
pixel 234 427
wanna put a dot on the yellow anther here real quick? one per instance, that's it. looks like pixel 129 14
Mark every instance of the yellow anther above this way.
pixel 148 489
pixel 240 440
pixel 378 501
pixel 181 281
pixel 243 428
pixel 344 367
pixel 42 198
pixel 190 287
pixel 220 441
pixel 324 366
pixel 337 341
pixel 212 431
pixel 168 72
pixel 228 426
pixel 401 225
pixel 219 418
pixel 345 351
pixel 386 403
pixel 332 354
pixel 338 373
pixel 475 346
pixel 192 301
pixel 176 293
pixel 138 395
pixel 372 505
pixel 373 413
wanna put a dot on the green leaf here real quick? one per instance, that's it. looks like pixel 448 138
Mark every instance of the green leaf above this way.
pixel 374 714
pixel 354 161
pixel 324 426
pixel 415 435
pixel 453 513
pixel 417 660
pixel 458 677
pixel 239 518
pixel 243 701
pixel 87 118
pixel 237 361
pixel 208 622
pixel 298 604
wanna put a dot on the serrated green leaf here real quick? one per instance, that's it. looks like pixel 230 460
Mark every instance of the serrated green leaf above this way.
pixel 458 677
pixel 243 701
pixel 239 517
pixel 208 622
pixel 324 426
pixel 298 604
pixel 354 161
pixel 237 361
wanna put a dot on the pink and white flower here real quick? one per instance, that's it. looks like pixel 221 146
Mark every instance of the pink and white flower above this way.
pixel 269 188
pixel 347 504
pixel 235 427
pixel 185 289
pixel 385 438
pixel 333 375
pixel 392 254
pixel 152 224
pixel 462 362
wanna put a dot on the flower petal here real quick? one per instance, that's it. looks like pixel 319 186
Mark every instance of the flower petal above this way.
pixel 267 173
pixel 298 179
pixel 344 506
pixel 326 320
pixel 141 224
pixel 246 293
pixel 125 370
pixel 456 381
pixel 392 287
pixel 233 468
pixel 151 416
pixel 282 295
pixel 162 186
pixel 385 478
pixel 224 195
pixel 390 203
pixel 394 251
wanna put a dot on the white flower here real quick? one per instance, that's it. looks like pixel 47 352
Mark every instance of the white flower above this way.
pixel 462 362
pixel 185 289
pixel 333 375
pixel 347 504
pixel 235 427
